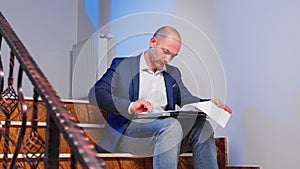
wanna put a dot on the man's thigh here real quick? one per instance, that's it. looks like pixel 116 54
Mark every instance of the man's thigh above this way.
pixel 198 129
pixel 141 135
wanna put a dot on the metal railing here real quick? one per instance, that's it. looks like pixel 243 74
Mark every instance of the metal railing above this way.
pixel 33 147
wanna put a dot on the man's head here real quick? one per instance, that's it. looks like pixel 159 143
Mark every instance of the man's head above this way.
pixel 164 46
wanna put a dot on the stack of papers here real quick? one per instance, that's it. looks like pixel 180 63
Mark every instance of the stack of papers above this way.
pixel 194 109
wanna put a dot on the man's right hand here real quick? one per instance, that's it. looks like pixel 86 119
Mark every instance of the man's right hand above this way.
pixel 141 105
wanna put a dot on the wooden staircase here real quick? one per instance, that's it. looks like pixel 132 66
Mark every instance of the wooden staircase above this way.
pixel 92 121
pixel 30 128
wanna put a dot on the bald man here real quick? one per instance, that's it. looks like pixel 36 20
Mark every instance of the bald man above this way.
pixel 147 83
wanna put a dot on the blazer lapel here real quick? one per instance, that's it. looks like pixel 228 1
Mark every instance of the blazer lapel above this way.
pixel 135 82
pixel 134 88
pixel 169 82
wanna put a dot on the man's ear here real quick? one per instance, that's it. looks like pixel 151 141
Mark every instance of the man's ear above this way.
pixel 153 42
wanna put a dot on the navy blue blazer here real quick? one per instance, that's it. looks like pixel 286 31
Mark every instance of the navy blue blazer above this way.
pixel 119 86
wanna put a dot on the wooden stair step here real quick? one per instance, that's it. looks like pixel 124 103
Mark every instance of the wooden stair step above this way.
pixel 127 160
pixel 243 167
pixel 91 119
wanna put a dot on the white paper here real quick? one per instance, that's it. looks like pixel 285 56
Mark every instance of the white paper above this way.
pixel 214 112
pixel 211 110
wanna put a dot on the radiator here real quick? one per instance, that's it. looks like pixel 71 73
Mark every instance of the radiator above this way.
pixel 89 60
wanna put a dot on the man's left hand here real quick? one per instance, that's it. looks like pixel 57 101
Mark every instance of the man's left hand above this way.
pixel 222 105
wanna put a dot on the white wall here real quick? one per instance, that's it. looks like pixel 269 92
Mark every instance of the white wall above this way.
pixel 257 42
pixel 48 30
pixel 257 45
pixel 260 50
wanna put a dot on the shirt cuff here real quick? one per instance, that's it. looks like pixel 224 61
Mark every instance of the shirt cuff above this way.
pixel 204 100
pixel 129 107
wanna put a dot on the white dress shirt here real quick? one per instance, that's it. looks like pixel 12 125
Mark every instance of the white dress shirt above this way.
pixel 152 86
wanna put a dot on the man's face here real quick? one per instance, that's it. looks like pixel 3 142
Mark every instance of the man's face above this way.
pixel 163 50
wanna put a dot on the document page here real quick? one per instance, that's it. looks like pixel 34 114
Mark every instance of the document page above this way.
pixel 211 110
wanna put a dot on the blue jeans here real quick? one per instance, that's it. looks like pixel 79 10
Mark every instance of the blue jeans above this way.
pixel 165 138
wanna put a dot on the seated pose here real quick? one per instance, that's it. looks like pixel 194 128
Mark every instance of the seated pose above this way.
pixel 147 83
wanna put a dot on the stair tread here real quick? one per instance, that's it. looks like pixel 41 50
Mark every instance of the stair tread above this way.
pixel 92 120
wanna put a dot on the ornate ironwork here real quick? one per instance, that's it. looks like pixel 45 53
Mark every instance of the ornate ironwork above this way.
pixel 59 118
pixel 33 148
pixel 8 103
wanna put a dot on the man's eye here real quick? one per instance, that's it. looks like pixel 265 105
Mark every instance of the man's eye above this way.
pixel 167 52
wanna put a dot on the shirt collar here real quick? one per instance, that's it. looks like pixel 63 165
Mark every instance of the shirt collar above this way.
pixel 144 67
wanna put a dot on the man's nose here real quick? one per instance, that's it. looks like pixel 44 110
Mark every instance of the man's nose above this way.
pixel 167 58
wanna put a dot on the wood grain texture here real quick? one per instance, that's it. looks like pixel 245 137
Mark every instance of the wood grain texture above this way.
pixel 88 114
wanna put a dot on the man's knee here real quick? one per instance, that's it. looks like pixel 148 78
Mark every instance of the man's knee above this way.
pixel 202 132
pixel 172 128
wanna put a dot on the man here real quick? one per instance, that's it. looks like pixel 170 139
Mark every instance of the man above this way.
pixel 147 83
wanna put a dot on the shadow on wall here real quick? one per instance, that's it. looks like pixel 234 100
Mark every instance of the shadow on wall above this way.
pixel 270 142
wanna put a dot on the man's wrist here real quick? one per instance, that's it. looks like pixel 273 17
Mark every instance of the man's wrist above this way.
pixel 129 108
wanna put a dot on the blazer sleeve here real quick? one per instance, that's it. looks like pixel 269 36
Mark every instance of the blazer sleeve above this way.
pixel 102 93
pixel 185 96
